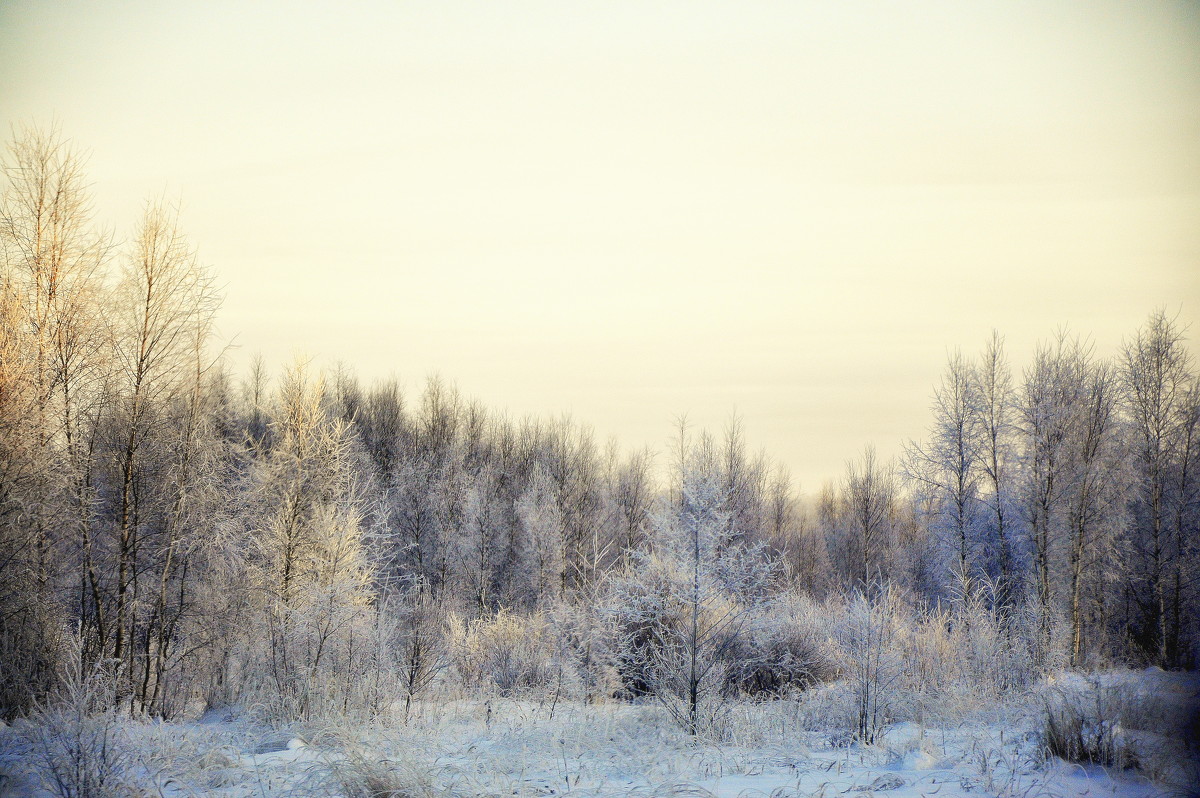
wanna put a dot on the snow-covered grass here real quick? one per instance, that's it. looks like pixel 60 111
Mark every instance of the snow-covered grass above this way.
pixel 1145 721
pixel 515 747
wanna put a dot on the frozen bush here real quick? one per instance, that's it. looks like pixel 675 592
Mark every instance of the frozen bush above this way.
pixel 644 615
pixel 1143 720
pixel 1084 726
pixel 960 658
pixel 785 647
pixel 585 654
pixel 77 745
pixel 506 652
pixel 357 773
pixel 870 634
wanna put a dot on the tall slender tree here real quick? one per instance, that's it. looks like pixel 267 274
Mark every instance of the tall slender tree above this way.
pixel 1156 368
pixel 948 467
pixel 996 452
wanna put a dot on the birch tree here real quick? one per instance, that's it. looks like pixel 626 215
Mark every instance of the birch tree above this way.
pixel 51 264
pixel 869 505
pixel 997 426
pixel 1053 388
pixel 1155 369
pixel 947 466
pixel 1094 506
pixel 166 302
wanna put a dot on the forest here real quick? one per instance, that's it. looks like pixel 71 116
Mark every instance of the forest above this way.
pixel 177 539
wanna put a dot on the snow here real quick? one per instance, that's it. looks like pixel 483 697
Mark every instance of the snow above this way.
pixel 531 748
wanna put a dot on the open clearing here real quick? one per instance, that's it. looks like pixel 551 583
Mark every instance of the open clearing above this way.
pixel 511 747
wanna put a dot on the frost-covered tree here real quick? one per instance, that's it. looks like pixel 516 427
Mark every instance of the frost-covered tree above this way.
pixel 996 453
pixel 418 640
pixel 868 631
pixel 1185 516
pixel 310 569
pixel 745 485
pixel 869 507
pixel 476 549
pixel 166 303
pixel 633 491
pixel 795 540
pixel 1054 387
pixel 1156 371
pixel 947 466
pixel 542 547
pixel 22 622
pixel 1095 511
pixel 683 606
pixel 570 458
pixel 55 361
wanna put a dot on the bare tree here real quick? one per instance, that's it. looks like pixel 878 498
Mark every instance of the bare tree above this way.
pixel 1095 506
pixel 1054 387
pixel 947 466
pixel 166 306
pixel 994 395
pixel 1156 369
pixel 870 503
pixel 52 263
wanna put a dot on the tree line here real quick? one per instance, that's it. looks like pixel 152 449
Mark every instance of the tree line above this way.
pixel 308 543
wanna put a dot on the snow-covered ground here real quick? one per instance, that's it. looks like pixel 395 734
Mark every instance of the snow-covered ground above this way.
pixel 506 747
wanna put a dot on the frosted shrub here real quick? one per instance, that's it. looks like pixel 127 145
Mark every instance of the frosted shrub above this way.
pixel 586 653
pixel 1084 725
pixel 960 658
pixel 870 636
pixel 643 612
pixel 1144 720
pixel 77 745
pixel 785 647
pixel 506 652
pixel 938 665
pixel 1048 650
pixel 998 659
pixel 361 774
pixel 930 651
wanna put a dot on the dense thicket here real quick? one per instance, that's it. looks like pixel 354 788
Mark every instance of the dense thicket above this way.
pixel 309 544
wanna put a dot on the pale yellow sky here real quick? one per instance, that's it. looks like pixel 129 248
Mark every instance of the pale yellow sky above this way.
pixel 627 211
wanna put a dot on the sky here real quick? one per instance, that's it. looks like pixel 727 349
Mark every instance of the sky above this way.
pixel 628 212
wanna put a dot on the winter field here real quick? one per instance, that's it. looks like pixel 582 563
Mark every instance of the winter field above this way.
pixel 300 583
pixel 1120 733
